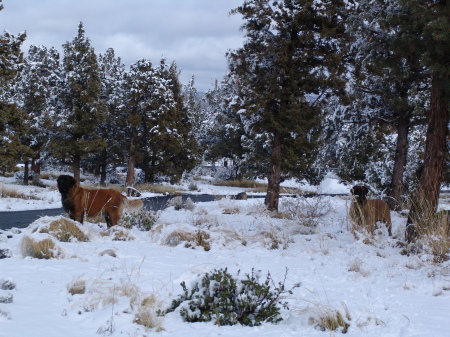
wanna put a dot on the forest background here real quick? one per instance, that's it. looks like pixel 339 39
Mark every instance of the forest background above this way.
pixel 360 87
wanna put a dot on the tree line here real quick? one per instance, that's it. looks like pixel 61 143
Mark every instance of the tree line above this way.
pixel 360 86
pixel 87 111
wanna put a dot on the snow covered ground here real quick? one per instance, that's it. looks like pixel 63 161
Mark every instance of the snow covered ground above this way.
pixel 384 292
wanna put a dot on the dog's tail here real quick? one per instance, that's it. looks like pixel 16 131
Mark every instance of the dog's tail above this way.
pixel 132 205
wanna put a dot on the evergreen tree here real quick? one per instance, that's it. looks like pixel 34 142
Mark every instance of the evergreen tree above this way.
pixel 144 88
pixel 291 60
pixel 35 94
pixel 178 150
pixel 81 109
pixel 432 37
pixel 12 119
pixel 388 90
pixel 112 72
pixel 221 131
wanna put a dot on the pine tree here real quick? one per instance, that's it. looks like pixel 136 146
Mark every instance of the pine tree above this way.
pixel 178 148
pixel 112 72
pixel 432 19
pixel 81 109
pixel 12 119
pixel 35 94
pixel 143 87
pixel 292 59
pixel 168 148
pixel 389 88
pixel 221 131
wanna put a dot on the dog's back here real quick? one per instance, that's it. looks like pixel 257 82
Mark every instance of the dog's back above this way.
pixel 102 200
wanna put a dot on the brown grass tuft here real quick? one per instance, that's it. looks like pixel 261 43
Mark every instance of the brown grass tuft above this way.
pixel 147 314
pixel 199 239
pixel 44 249
pixel 330 319
pixel 157 188
pixel 12 193
pixel 65 230
pixel 78 286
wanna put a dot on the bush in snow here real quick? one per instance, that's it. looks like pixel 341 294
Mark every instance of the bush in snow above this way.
pixel 144 220
pixel 226 300
pixel 178 203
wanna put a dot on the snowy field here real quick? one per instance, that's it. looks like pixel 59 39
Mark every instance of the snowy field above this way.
pixel 379 291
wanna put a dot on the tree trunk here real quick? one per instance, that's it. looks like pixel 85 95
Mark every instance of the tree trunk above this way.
pixel 36 164
pixel 426 197
pixel 76 167
pixel 129 181
pixel 396 188
pixel 274 175
pixel 26 173
pixel 103 168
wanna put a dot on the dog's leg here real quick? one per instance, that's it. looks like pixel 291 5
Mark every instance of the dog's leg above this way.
pixel 107 219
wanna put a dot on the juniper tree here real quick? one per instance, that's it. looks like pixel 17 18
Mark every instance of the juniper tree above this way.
pixel 291 60
pixel 35 92
pixel 432 39
pixel 221 131
pixel 81 109
pixel 173 150
pixel 112 72
pixel 166 145
pixel 148 103
pixel 12 119
pixel 389 88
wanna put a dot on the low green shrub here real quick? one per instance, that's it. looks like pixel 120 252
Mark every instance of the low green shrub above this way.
pixel 226 300
pixel 144 220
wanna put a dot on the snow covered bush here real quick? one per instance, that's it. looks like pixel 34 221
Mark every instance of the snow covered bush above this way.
pixel 144 220
pixel 179 204
pixel 306 210
pixel 226 300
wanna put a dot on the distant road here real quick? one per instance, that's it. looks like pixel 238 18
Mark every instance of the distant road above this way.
pixel 22 219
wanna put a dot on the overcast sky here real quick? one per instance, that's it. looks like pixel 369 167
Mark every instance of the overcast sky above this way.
pixel 195 34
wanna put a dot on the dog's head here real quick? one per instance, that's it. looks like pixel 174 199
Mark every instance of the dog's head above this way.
pixel 65 183
pixel 360 192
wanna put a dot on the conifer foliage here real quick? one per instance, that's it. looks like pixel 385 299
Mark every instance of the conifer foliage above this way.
pixel 81 108
pixel 291 60
pixel 12 119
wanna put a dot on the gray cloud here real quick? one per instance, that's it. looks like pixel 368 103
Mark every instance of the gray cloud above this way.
pixel 195 34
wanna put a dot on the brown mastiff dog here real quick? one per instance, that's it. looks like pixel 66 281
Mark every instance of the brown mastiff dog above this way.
pixel 79 202
pixel 366 212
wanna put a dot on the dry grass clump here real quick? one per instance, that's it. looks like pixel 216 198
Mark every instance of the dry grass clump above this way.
pixel 77 286
pixel 231 210
pixel 65 230
pixel 198 239
pixel 118 234
pixel 432 232
pixel 158 188
pixel 147 314
pixel 12 193
pixel 327 318
pixel 244 183
pixel 43 249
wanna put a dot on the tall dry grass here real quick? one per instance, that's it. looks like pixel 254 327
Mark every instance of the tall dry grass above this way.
pixel 431 229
